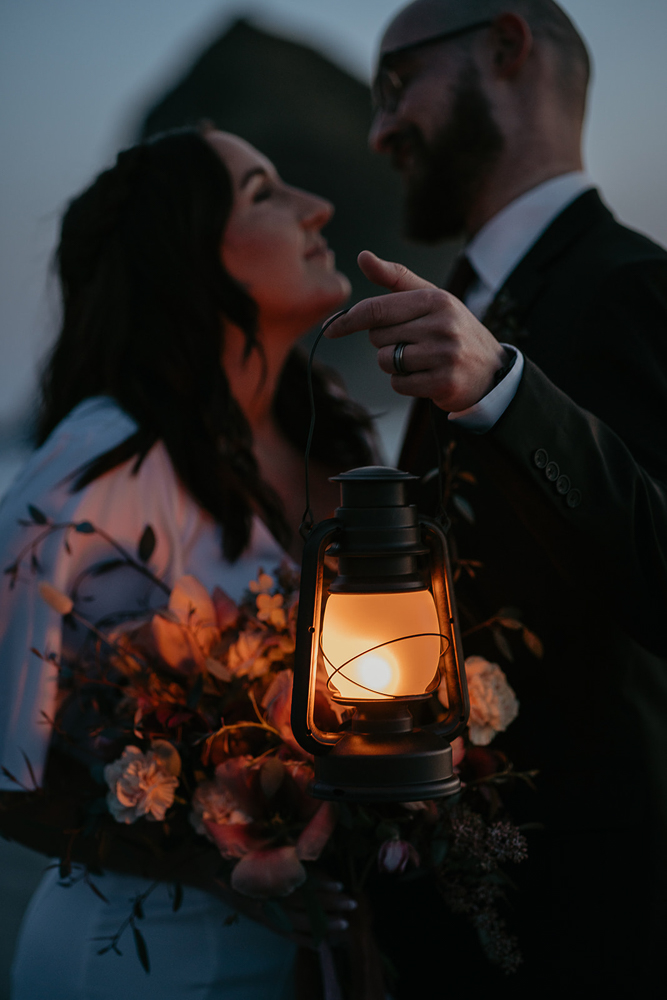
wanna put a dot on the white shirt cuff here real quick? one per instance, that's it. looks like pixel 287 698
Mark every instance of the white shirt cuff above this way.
pixel 481 417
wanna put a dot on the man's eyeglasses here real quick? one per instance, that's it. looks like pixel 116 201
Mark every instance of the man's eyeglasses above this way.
pixel 388 86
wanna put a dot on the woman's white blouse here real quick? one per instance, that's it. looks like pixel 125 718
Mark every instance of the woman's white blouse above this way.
pixel 122 504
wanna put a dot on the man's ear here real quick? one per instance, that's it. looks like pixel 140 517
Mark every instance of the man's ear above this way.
pixel 511 42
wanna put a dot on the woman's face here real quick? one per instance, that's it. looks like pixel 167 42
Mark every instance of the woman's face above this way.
pixel 273 244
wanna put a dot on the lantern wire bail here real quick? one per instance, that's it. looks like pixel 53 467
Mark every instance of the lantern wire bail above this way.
pixel 308 520
pixel 442 517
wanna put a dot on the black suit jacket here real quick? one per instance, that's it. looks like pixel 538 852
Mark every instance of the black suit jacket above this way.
pixel 571 528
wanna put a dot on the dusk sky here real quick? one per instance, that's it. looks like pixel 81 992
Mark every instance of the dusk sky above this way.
pixel 76 75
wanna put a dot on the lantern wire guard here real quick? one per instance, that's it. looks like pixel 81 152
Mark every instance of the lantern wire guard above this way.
pixel 381 543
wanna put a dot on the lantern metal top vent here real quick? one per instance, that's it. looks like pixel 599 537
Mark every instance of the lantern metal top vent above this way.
pixel 380 637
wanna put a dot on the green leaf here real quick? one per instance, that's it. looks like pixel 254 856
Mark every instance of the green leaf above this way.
pixel 345 818
pixel 36 514
pixel 142 950
pixel 502 644
pixel 533 643
pixel 276 914
pixel 510 623
pixel 464 508
pixel 439 851
pixel 84 528
pixel 178 898
pixel 98 892
pixel 196 692
pixel 146 544
pixel 35 784
pixel 364 817
pixel 509 613
pixel 386 830
pixel 10 776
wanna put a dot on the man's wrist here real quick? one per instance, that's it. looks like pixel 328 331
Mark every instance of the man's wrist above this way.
pixel 504 369
pixel 481 417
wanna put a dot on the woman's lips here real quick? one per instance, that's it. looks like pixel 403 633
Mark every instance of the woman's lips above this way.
pixel 319 252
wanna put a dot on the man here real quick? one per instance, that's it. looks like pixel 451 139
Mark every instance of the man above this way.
pixel 557 403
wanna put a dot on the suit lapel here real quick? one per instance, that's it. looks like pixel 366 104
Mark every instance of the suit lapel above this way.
pixel 505 316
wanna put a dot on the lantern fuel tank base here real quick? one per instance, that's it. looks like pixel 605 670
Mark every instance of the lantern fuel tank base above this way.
pixel 405 768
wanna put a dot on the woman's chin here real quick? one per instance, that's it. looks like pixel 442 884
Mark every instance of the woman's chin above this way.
pixel 345 285
pixel 339 289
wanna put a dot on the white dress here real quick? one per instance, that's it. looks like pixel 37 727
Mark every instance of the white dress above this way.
pixel 193 952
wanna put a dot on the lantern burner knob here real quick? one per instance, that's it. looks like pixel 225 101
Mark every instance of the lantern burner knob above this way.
pixel 382 718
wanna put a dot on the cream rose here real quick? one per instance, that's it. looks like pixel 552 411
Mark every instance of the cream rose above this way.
pixel 493 704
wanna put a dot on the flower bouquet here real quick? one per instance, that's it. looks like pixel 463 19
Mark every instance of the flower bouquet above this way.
pixel 182 718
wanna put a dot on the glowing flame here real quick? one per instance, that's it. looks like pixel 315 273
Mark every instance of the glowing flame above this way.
pixel 375 672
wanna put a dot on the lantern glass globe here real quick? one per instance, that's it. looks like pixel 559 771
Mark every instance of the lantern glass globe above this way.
pixel 378 647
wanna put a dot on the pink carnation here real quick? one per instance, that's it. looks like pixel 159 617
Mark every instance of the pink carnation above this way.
pixel 140 784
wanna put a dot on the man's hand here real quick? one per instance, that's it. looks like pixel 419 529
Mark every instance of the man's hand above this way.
pixel 450 356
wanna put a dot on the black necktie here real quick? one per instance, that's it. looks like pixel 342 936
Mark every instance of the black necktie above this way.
pixel 461 278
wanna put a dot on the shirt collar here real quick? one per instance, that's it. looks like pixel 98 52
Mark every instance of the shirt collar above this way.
pixel 498 247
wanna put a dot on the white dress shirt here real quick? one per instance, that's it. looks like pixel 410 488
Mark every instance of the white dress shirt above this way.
pixel 494 252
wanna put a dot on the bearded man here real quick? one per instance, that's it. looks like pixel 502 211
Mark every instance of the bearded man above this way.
pixel 551 380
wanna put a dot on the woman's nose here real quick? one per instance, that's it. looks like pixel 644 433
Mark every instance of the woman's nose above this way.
pixel 315 211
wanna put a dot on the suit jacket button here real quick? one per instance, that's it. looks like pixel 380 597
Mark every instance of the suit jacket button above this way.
pixel 551 472
pixel 562 485
pixel 540 458
pixel 573 499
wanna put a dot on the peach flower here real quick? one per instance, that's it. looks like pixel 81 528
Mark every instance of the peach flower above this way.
pixel 263 584
pixel 185 633
pixel 246 656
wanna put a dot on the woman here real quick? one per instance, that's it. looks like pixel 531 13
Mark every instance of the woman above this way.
pixel 174 398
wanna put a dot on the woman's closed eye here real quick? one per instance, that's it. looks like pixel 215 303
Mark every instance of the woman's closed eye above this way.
pixel 262 193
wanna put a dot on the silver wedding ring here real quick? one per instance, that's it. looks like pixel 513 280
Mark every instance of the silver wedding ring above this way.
pixel 399 351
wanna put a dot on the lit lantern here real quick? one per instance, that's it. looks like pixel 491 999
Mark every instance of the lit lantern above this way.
pixel 383 636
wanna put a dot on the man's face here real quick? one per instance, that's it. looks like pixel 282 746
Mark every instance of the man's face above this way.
pixel 436 123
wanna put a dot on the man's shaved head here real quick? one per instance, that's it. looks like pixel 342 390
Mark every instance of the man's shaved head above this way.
pixel 426 20
pixel 423 20
pixel 476 101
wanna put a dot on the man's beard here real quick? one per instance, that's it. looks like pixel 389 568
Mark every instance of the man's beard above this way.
pixel 448 173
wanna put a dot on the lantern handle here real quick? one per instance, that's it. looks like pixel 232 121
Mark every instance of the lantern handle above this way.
pixel 306 732
pixel 442 587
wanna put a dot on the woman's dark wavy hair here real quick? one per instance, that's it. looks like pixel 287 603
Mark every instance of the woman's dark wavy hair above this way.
pixel 145 299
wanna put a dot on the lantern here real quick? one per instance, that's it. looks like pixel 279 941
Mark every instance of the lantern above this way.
pixel 381 638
